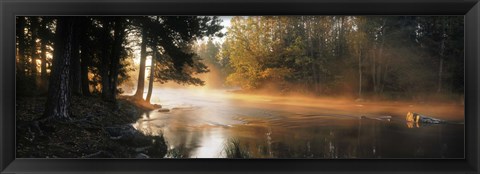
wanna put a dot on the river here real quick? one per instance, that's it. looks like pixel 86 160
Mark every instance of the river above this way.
pixel 203 123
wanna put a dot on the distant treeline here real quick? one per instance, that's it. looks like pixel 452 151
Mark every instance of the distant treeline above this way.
pixel 359 56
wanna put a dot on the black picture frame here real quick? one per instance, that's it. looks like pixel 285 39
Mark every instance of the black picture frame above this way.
pixel 10 8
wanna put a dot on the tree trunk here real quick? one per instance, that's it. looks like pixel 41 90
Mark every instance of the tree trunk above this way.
pixel 312 56
pixel 374 72
pixel 152 76
pixel 76 81
pixel 104 70
pixel 440 72
pixel 43 67
pixel 381 59
pixel 43 54
pixel 360 73
pixel 385 73
pixel 33 49
pixel 442 51
pixel 141 74
pixel 341 36
pixel 116 53
pixel 84 74
pixel 84 58
pixel 320 73
pixel 21 47
pixel 155 55
pixel 59 93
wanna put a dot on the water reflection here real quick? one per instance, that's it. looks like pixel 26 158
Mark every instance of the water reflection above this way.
pixel 203 126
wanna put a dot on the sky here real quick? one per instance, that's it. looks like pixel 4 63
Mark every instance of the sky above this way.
pixel 225 23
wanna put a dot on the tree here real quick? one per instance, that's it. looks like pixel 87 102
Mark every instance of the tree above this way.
pixel 106 57
pixel 208 52
pixel 175 35
pixel 112 36
pixel 143 59
pixel 21 46
pixel 33 49
pixel 254 54
pixel 46 38
pixel 59 91
pixel 152 74
pixel 358 44
pixel 86 53
pixel 119 37
pixel 76 67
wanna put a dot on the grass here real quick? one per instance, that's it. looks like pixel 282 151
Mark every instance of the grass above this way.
pixel 233 149
pixel 178 152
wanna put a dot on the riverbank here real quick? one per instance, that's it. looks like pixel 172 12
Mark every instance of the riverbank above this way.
pixel 97 129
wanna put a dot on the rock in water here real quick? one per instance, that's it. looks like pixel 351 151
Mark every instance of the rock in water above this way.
pixel 418 118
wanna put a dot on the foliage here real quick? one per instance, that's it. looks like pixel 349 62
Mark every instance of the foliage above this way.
pixel 346 55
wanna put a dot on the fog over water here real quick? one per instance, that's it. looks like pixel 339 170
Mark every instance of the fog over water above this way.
pixel 202 121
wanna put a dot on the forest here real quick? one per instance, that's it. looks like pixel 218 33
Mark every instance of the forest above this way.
pixel 85 55
pixel 69 60
pixel 394 57
pixel 65 64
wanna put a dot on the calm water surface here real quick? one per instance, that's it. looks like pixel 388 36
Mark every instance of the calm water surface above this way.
pixel 201 122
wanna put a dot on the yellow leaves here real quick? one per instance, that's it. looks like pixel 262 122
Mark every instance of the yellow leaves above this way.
pixel 257 52
pixel 276 73
pixel 245 80
pixel 410 117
